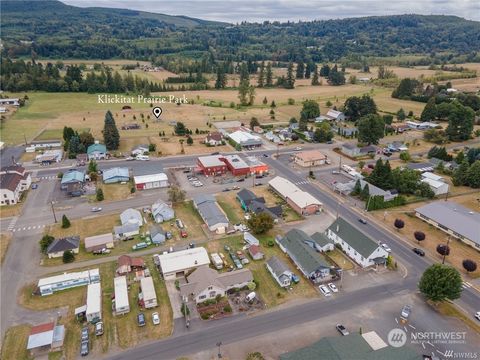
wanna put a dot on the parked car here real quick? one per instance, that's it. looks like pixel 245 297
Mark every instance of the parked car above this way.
pixel 179 223
pixel 333 287
pixel 324 290
pixel 265 155
pixel 298 148
pixel 477 315
pixel 363 221
pixel 143 157
pixel 419 251
pixel 141 245
pixel 85 333
pixel 99 328
pixel 96 209
pixel 84 348
pixel 191 245
pixel 155 318
pixel 130 158
pixel 342 329
pixel 258 184
pixel 34 186
pixel 141 319
pixel 102 251
pixel 330 142
pixel 335 172
pixel 183 234
pixel 385 247
pixel 241 180
pixel 295 278
pixel 215 153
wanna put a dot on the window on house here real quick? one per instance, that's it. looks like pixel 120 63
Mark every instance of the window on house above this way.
pixel 210 287
pixel 202 297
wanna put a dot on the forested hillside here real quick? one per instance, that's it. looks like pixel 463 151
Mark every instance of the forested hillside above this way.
pixel 53 29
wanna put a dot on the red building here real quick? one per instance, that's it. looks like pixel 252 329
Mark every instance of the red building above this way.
pixel 256 166
pixel 211 165
pixel 236 165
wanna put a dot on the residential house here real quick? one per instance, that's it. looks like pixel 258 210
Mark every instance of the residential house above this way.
pixel 71 177
pixel 372 189
pixel 126 231
pixel 211 213
pixel 49 285
pixel 205 283
pixel 310 158
pixel 157 234
pixel 397 146
pixel 334 115
pixel 311 263
pixel 14 180
pixel 97 151
pixel 45 338
pixel 245 197
pixel 357 245
pixel 256 252
pixel 162 212
pixel 148 296
pixel 258 207
pixel 140 150
pixel 131 216
pixel 116 175
pixel 454 219
pixel 178 263
pixel 450 165
pixel 59 246
pixel 99 242
pixel 127 264
pixel 421 167
pixel 300 201
pixel 320 242
pixel 214 139
pixel 121 303
pixel 280 271
pixel 353 150
pixel 94 303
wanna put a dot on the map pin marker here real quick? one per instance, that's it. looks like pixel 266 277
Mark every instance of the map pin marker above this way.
pixel 157 111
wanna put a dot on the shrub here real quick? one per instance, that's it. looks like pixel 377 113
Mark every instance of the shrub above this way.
pixel 99 195
pixel 184 310
pixel 68 257
pixel 271 243
pixel 227 308
pixel 65 222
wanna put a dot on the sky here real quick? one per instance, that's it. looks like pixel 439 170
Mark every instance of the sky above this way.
pixel 234 11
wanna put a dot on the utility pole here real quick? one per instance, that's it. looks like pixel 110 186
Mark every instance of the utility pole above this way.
pixel 53 211
pixel 340 164
pixel 445 254
pixel 219 344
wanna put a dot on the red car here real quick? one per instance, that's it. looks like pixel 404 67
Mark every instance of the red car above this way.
pixel 183 234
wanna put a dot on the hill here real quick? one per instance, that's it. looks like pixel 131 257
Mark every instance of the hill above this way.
pixel 53 29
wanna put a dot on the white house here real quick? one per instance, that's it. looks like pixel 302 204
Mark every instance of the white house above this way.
pixel 14 180
pixel 48 286
pixel 280 271
pixel 122 305
pixel 94 302
pixel 360 248
pixel 178 263
pixel 148 295
pixel 205 283
pixel 438 187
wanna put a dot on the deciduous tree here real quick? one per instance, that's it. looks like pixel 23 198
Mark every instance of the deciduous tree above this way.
pixel 440 282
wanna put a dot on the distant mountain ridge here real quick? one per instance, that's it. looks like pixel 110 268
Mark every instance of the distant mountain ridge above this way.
pixel 56 30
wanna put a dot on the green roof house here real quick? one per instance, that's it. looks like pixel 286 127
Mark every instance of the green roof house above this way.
pixel 312 264
pixel 97 151
pixel 358 246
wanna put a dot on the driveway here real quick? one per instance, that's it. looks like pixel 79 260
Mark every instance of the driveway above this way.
pixel 175 299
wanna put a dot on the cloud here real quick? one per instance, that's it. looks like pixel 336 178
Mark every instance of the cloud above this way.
pixel 282 10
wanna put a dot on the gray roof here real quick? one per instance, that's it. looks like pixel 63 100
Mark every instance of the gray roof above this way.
pixel 455 217
pixel 351 347
pixel 116 172
pixel 426 166
pixel 131 216
pixel 321 239
pixel 354 237
pixel 246 195
pixel 154 230
pixel 209 211
pixel 126 228
pixel 278 266
pixel 303 255
pixel 64 244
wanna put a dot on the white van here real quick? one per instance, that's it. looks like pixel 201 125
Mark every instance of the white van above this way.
pixel 250 297
pixel 142 157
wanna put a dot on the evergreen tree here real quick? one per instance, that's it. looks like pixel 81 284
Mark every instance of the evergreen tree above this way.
pixel 473 175
pixel 315 80
pixel 429 112
pixel 73 147
pixel 325 70
pixel 269 76
pixel 290 80
pixel 189 141
pixel 111 135
pixel 300 70
pixel 221 80
pixel 365 194
pixel 308 70
pixel 460 122
pixel 65 222
pixel 261 75
pixel 357 188
pixel 99 195
pixel 401 114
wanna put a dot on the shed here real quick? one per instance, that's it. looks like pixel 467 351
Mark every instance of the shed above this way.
pixel 255 252
pixel 98 242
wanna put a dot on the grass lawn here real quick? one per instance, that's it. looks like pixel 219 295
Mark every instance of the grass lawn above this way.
pixel 448 309
pixel 121 331
pixel 7 211
pixel 186 212
pixel 15 343
pixel 268 289
pixel 341 259
pixel 113 192
pixel 56 134
pixel 231 207
pixel 458 250
pixel 5 239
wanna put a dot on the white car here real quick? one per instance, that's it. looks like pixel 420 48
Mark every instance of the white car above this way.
pixel 324 290
pixel 298 148
pixel 333 287
pixel 155 318
pixel 385 247
pixel 142 157
pixel 477 315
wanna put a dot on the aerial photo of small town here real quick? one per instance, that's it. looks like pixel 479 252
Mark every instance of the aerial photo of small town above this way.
pixel 256 180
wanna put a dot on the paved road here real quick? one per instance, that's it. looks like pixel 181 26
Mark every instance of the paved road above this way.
pixel 11 154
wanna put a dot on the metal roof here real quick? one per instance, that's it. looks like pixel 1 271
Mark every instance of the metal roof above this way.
pixel 96 147
pixel 209 210
pixel 98 240
pixel 211 160
pixel 115 172
pixel 131 216
pixel 353 237
pixel 142 179
pixel 121 292
pixel 148 289
pixel 183 260
pixel 73 176
pixel 455 217
pixel 94 298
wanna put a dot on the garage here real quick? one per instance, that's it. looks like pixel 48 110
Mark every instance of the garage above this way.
pixel 153 181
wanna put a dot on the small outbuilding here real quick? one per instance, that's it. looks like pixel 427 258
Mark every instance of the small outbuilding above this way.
pixel 99 242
